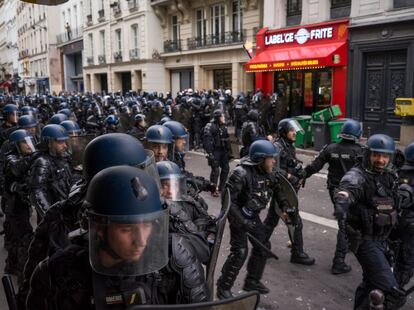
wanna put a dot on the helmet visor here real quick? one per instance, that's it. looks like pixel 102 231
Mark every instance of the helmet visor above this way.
pixel 174 188
pixel 150 167
pixel 130 245
pixel 294 125
pixel 26 146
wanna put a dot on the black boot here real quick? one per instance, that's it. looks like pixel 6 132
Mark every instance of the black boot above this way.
pixel 223 293
pixel 255 269
pixel 229 274
pixel 339 267
pixel 301 258
pixel 254 285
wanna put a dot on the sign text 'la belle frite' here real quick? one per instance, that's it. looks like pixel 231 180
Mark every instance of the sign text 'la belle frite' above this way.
pixel 301 36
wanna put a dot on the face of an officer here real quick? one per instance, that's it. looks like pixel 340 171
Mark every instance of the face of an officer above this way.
pixel 160 151
pixel 291 135
pixel 129 241
pixel 60 147
pixel 32 130
pixel 222 120
pixel 268 164
pixel 180 144
pixel 380 161
pixel 25 148
pixel 169 188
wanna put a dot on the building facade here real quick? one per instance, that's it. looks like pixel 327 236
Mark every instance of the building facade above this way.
pixel 381 62
pixel 9 54
pixel 302 54
pixel 39 57
pixel 203 42
pixel 70 44
pixel 122 46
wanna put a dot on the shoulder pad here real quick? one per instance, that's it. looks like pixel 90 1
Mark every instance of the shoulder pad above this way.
pixel 353 177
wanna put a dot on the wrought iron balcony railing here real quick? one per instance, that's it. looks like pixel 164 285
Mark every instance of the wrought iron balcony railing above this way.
pixel 101 59
pixel 118 56
pixel 69 36
pixel 134 53
pixel 90 60
pixel 225 38
pixel 172 46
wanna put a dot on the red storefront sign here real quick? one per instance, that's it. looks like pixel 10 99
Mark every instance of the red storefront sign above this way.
pixel 300 48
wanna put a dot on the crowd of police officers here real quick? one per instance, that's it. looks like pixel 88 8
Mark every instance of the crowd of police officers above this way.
pixel 121 222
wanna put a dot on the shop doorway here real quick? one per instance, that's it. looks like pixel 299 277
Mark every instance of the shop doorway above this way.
pixel 222 78
pixel 303 92
pixel 126 82
pixel 384 80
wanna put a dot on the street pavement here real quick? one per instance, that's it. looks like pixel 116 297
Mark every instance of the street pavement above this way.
pixel 293 287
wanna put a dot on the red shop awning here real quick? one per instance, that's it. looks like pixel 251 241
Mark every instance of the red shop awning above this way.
pixel 300 57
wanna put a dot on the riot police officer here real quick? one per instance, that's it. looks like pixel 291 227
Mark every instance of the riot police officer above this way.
pixel 58 118
pixel 128 260
pixel 10 116
pixel 217 146
pixel 51 173
pixel 240 110
pixel 30 124
pixel 367 199
pixel 341 157
pixel 159 138
pixel 52 233
pixel 111 123
pixel 18 230
pixel 252 185
pixel 250 132
pixel 404 265
pixel 291 167
pixel 139 128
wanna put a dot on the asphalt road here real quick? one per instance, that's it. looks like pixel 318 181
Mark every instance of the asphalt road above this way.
pixel 293 287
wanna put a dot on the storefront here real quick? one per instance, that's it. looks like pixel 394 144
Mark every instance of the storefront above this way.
pixel 305 64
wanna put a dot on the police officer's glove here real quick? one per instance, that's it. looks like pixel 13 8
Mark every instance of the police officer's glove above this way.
pixel 253 204
pixel 341 207
pixel 406 194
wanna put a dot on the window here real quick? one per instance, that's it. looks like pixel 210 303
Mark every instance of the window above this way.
pixel 102 34
pixel 294 7
pixel 200 23
pixel 75 16
pixel 175 28
pixel 134 32
pixel 217 22
pixel 237 20
pixel 90 36
pixel 118 39
pixel 403 3
pixel 340 8
pixel 340 3
pixel 101 4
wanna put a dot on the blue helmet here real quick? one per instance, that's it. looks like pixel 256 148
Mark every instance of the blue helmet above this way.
pixel 67 112
pixel 381 143
pixel 27 121
pixel 351 130
pixel 262 149
pixel 115 149
pixel 71 126
pixel 21 135
pixel 58 118
pixel 409 153
pixel 28 110
pixel 177 129
pixel 164 120
pixel 53 132
pixel 10 108
pixel 63 105
pixel 159 134
pixel 168 170
pixel 112 120
pixel 124 197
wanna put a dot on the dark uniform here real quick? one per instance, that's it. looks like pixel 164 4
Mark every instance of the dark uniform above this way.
pixel 250 132
pixel 217 145
pixel 340 157
pixel 367 197
pixel 157 268
pixel 251 189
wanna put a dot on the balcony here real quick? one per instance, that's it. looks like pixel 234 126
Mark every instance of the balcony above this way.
pixel 221 39
pixel 171 46
pixel 133 5
pixel 101 15
pixel 116 8
pixel 134 54
pixel 118 56
pixel 101 59
pixel 89 21
pixel 75 34
pixel 90 61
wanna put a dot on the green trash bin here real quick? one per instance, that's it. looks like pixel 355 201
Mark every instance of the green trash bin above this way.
pixel 335 128
pixel 324 115
pixel 304 140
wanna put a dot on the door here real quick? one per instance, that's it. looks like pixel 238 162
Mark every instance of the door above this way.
pixel 384 80
pixel 126 82
pixel 175 83
pixel 104 83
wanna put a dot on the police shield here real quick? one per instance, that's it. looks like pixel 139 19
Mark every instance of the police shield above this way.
pixel 247 301
pixel 78 145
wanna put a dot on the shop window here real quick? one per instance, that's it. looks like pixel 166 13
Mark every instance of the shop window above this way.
pixel 340 8
pixel 222 78
pixel 403 3
pixel 293 12
pixel 324 87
